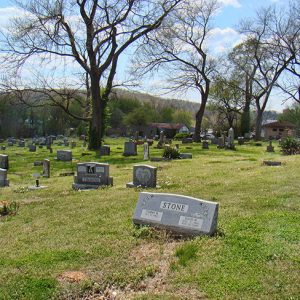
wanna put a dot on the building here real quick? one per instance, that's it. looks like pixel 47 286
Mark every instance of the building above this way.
pixel 277 130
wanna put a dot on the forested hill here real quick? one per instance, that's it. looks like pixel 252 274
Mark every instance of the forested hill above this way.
pixel 155 101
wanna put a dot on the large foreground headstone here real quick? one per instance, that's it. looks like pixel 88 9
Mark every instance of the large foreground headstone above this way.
pixel 143 176
pixel 64 155
pixel 3 161
pixel 181 214
pixel 3 178
pixel 91 175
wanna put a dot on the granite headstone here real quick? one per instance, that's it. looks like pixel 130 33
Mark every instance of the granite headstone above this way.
pixel 181 214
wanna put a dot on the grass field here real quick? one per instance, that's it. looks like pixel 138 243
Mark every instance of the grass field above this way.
pixel 65 244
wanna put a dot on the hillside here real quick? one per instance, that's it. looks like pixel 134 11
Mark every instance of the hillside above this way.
pixel 156 101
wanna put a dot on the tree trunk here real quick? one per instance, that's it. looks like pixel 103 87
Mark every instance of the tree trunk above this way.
pixel 258 124
pixel 199 118
pixel 245 118
pixel 96 124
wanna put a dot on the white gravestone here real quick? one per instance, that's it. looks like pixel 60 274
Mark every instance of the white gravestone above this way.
pixel 181 214
pixel 91 175
pixel 3 161
pixel 146 151
pixel 3 178
pixel 143 176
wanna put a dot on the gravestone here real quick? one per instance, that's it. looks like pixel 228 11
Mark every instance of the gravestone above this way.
pixel 270 147
pixel 4 161
pixel 146 151
pixel 66 144
pixel 186 155
pixel 230 139
pixel 130 149
pixel 181 214
pixel 143 176
pixel 73 144
pixel 3 148
pixel 46 168
pixel 187 140
pixel 161 140
pixel 221 143
pixel 32 148
pixel 205 145
pixel 3 178
pixel 37 163
pixel 271 163
pixel 241 140
pixel 91 175
pixel 104 150
pixel 64 155
pixel 22 143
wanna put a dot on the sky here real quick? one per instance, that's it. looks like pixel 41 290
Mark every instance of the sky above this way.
pixel 225 36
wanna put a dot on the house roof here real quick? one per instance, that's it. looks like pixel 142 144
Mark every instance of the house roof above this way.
pixel 166 125
pixel 277 124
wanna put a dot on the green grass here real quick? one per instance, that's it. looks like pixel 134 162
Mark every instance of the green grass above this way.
pixel 254 255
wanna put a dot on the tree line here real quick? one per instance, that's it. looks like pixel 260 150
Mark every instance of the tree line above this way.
pixel 167 36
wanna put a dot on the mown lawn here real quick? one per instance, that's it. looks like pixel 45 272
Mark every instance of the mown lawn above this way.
pixel 254 255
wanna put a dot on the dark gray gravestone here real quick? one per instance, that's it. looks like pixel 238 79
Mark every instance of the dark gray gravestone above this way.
pixel 205 145
pixel 91 175
pixel 22 143
pixel 186 155
pixel 3 148
pixel 130 149
pixel 104 150
pixel 3 178
pixel 32 148
pixel 73 144
pixel 46 168
pixel 4 161
pixel 270 147
pixel 143 176
pixel 181 214
pixel 64 155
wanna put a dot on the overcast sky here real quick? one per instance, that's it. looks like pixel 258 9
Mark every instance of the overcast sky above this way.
pixel 225 32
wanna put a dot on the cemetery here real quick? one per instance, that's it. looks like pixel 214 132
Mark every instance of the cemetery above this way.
pixel 192 223
pixel 149 150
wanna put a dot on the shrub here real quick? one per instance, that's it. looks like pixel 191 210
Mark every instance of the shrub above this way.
pixel 8 208
pixel 181 135
pixel 171 153
pixel 290 146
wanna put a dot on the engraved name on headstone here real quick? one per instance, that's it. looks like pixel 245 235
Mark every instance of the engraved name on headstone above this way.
pixel 181 214
pixel 64 155
pixel 143 176
pixel 91 175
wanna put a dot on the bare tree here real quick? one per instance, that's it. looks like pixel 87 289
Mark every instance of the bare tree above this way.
pixel 91 33
pixel 269 38
pixel 179 48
